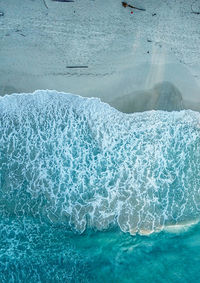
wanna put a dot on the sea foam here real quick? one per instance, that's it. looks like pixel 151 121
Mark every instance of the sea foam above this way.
pixel 78 162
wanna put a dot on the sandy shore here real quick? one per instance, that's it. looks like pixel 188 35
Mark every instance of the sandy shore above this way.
pixel 126 54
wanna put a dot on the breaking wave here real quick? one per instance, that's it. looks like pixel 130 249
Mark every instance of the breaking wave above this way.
pixel 78 162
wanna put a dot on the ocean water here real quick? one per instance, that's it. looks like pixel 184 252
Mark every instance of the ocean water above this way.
pixel 88 193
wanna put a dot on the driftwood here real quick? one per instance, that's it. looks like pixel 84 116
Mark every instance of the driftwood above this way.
pixel 79 67
pixel 45 4
pixel 63 1
pixel 193 11
pixel 124 4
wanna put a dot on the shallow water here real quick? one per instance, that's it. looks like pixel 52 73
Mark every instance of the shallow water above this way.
pixel 42 253
pixel 78 178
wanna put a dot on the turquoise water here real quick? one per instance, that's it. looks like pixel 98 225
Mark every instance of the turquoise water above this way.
pixel 90 194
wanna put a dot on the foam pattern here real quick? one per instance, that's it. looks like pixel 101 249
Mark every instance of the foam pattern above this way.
pixel 78 162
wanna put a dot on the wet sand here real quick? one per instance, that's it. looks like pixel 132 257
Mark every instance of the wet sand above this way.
pixel 127 55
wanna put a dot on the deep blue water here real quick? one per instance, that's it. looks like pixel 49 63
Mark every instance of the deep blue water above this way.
pixel 88 193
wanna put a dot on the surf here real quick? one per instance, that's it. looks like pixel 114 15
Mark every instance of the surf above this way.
pixel 80 163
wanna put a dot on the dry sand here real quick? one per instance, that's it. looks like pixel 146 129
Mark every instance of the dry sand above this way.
pixel 127 54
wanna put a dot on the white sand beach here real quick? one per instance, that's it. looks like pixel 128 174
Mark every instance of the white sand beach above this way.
pixel 125 54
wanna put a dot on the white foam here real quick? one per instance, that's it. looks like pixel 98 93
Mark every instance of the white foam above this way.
pixel 77 161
